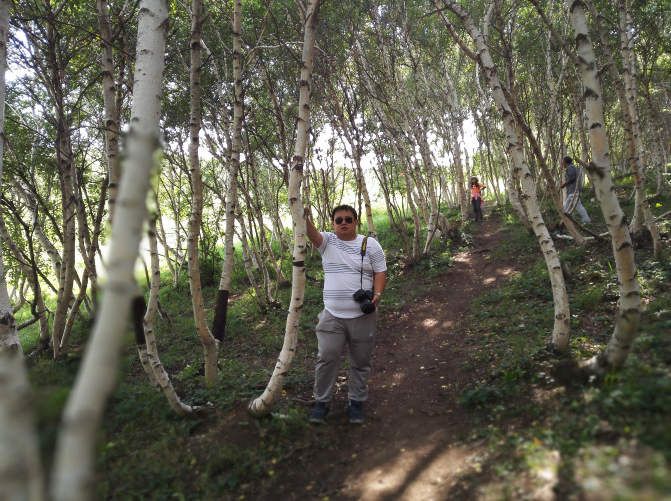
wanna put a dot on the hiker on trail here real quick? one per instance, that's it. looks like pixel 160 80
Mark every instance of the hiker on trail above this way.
pixel 573 180
pixel 354 278
pixel 476 198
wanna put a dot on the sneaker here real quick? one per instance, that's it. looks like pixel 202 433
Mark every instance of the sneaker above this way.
pixel 318 412
pixel 355 412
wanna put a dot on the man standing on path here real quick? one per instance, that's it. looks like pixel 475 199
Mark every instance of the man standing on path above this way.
pixel 354 278
pixel 573 184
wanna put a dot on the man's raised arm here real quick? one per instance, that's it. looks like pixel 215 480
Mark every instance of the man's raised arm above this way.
pixel 312 232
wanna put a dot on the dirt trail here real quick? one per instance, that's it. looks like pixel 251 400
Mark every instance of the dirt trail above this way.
pixel 412 445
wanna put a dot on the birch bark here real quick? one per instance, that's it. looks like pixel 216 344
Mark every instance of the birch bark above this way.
pixel 262 404
pixel 207 340
pixel 561 329
pixel 629 307
pixel 20 466
pixel 642 213
pixel 110 105
pixel 455 126
pixel 66 173
pixel 221 311
pixel 148 351
pixel 74 462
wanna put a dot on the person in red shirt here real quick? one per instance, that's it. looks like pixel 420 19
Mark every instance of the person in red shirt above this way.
pixel 476 198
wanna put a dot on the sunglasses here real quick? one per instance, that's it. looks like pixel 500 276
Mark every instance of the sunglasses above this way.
pixel 339 220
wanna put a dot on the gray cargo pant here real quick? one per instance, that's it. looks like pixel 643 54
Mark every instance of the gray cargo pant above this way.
pixel 332 335
pixel 573 200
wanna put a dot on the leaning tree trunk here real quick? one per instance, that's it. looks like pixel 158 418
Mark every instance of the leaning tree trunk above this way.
pixel 20 466
pixel 629 307
pixel 561 329
pixel 208 341
pixel 555 194
pixel 456 124
pixel 262 404
pixel 642 212
pixel 513 193
pixel 110 105
pixel 30 272
pixel 147 349
pixel 73 476
pixel 425 153
pixel 221 311
pixel 55 72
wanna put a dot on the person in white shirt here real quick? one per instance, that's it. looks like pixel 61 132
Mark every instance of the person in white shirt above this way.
pixel 354 279
pixel 573 183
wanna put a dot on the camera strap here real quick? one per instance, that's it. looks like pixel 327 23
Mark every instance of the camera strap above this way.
pixel 364 244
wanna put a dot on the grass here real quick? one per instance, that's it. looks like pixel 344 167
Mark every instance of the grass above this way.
pixel 608 439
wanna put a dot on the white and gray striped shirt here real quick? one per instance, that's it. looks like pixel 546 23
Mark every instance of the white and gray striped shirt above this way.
pixel 341 260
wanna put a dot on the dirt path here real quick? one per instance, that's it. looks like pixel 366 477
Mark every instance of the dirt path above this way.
pixel 413 443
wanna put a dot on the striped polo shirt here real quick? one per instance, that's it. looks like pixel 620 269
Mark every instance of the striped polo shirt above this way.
pixel 342 264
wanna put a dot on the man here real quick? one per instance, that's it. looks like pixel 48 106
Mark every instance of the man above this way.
pixel 573 184
pixel 350 263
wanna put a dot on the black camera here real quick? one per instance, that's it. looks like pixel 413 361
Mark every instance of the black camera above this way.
pixel 365 298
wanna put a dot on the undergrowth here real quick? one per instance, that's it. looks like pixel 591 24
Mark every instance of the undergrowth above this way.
pixel 608 438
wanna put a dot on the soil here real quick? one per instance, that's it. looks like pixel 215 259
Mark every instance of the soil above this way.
pixel 415 441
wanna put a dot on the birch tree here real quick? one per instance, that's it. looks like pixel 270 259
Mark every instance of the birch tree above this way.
pixel 561 329
pixel 147 350
pixel 642 214
pixel 209 343
pixel 221 309
pixel 20 466
pixel 263 403
pixel 64 156
pixel 74 462
pixel 629 306
pixel 110 104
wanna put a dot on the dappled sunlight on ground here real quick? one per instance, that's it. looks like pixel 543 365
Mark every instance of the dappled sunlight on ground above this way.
pixel 463 257
pixel 429 322
pixel 505 271
pixel 426 472
pixel 537 482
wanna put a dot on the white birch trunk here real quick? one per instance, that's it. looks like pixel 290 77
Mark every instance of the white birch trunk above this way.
pixel 111 118
pixel 221 309
pixel 20 465
pixel 73 475
pixel 456 125
pixel 148 352
pixel 629 307
pixel 642 213
pixel 425 153
pixel 514 199
pixel 207 340
pixel 248 258
pixel 262 404
pixel 54 72
pixel 561 328
pixel 363 186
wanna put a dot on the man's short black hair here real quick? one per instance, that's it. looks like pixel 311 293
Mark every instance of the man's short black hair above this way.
pixel 568 160
pixel 344 207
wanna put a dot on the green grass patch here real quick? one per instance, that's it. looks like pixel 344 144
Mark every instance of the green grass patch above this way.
pixel 613 432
